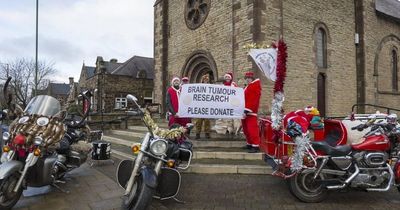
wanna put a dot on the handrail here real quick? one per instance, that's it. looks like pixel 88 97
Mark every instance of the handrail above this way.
pixel 388 109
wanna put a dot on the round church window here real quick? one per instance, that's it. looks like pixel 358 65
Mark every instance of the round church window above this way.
pixel 196 12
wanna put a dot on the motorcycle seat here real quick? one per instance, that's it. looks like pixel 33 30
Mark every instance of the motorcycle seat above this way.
pixel 323 146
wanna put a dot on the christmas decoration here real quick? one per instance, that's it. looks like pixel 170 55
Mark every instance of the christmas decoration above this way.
pixel 301 142
pixel 277 102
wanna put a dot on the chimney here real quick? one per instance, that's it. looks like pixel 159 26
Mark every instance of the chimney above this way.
pixel 71 81
pixel 113 60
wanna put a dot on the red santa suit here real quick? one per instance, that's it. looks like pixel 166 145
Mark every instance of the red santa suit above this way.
pixel 173 104
pixel 252 94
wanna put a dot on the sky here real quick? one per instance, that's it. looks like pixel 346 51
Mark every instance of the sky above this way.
pixel 75 31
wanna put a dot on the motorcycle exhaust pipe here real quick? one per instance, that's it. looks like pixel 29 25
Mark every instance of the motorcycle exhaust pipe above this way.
pixel 333 172
pixel 338 187
pixel 389 184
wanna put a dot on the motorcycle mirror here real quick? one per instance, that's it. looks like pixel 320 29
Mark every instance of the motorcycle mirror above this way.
pixel 190 125
pixel 131 97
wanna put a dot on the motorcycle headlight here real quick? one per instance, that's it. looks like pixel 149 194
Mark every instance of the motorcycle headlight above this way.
pixel 23 120
pixel 42 121
pixel 6 136
pixel 158 147
pixel 38 141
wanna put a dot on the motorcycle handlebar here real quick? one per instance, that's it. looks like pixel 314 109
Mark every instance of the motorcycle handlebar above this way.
pixel 85 115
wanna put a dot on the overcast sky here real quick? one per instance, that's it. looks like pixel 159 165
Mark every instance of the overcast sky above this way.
pixel 73 31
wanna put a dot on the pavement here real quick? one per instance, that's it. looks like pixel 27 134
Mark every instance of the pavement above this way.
pixel 95 188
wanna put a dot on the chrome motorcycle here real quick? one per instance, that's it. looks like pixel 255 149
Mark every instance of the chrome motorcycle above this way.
pixel 41 147
pixel 154 171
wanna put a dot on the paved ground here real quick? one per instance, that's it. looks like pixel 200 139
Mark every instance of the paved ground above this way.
pixel 94 188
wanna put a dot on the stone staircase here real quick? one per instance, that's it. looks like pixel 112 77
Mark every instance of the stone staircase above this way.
pixel 221 154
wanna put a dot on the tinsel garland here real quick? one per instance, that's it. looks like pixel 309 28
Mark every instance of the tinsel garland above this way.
pixel 175 133
pixel 298 155
pixel 277 102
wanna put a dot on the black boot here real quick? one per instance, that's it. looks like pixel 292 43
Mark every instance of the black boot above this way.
pixel 208 136
pixel 246 147
pixel 197 135
pixel 254 150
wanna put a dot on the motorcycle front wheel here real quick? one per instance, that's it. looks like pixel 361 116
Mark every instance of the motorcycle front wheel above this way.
pixel 8 198
pixel 139 197
pixel 307 189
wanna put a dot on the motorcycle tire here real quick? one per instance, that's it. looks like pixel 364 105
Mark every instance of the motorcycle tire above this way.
pixel 7 186
pixel 139 197
pixel 306 189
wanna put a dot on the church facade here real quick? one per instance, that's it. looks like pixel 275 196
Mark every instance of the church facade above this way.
pixel 340 52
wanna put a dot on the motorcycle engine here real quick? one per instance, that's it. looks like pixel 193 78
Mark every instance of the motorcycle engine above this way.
pixel 371 159
pixel 372 178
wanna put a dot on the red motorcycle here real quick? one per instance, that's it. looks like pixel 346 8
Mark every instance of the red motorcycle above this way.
pixel 315 167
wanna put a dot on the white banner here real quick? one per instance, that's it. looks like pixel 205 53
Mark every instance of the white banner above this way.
pixel 266 61
pixel 211 101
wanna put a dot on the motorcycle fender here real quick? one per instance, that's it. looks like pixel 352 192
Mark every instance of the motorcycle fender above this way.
pixel 149 177
pixel 397 172
pixel 8 168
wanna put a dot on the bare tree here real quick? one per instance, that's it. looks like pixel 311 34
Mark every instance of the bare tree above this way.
pixel 22 71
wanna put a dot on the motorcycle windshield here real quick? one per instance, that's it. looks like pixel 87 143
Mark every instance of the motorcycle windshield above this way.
pixel 43 105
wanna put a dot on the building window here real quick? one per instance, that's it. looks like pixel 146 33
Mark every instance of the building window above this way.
pixel 321 48
pixel 141 74
pixel 395 70
pixel 121 103
pixel 196 12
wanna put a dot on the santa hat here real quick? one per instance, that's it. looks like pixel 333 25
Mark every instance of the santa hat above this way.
pixel 185 79
pixel 249 74
pixel 175 78
pixel 228 75
pixel 308 108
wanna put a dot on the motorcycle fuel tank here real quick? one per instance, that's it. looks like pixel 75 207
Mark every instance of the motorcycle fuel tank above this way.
pixel 373 143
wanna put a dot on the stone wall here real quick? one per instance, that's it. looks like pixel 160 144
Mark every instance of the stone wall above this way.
pixel 231 24
pixel 381 35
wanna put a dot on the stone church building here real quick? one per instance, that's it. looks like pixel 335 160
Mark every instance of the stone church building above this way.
pixel 340 52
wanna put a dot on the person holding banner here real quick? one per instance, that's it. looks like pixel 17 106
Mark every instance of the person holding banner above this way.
pixel 227 126
pixel 252 95
pixel 199 122
pixel 184 121
pixel 172 102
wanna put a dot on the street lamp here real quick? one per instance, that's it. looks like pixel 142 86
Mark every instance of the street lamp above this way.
pixel 36 55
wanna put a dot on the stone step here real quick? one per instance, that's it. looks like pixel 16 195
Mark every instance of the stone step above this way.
pixel 129 140
pixel 140 133
pixel 213 153
pixel 205 167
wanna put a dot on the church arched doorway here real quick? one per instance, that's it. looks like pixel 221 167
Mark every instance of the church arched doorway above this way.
pixel 198 64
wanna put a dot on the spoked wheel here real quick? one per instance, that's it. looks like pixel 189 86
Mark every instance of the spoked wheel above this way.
pixel 139 197
pixel 306 188
pixel 8 198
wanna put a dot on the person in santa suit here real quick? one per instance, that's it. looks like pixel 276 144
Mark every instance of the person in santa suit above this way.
pixel 184 121
pixel 228 80
pixel 252 95
pixel 172 102
pixel 227 126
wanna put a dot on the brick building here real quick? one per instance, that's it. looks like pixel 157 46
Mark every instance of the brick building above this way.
pixel 60 91
pixel 340 52
pixel 110 82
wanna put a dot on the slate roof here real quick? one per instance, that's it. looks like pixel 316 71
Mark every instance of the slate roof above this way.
pixel 388 8
pixel 59 88
pixel 134 65
pixel 90 70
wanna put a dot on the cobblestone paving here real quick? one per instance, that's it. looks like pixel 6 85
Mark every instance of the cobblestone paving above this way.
pixel 94 188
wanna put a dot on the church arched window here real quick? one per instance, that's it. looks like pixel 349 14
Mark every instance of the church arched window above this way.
pixel 321 48
pixel 395 80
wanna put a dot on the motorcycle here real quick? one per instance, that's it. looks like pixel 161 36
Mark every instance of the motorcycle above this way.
pixel 154 171
pixel 371 165
pixel 41 147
